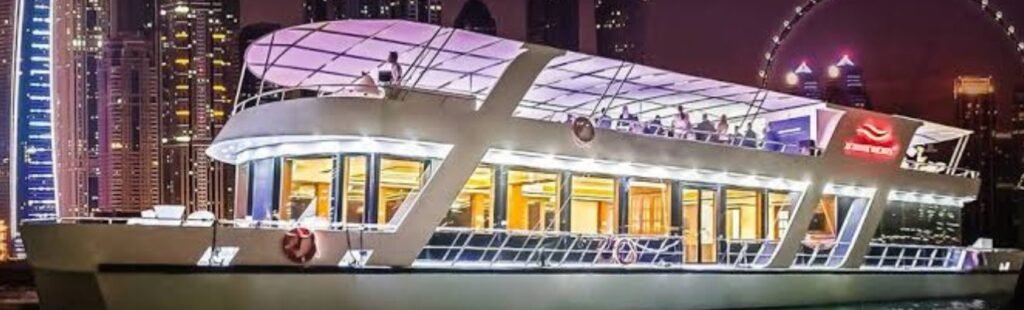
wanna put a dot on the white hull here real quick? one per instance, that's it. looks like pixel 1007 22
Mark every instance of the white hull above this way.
pixel 174 287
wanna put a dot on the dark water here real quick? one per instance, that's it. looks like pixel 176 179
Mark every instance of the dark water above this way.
pixel 980 303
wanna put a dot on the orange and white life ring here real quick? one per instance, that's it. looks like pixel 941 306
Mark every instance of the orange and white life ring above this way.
pixel 299 245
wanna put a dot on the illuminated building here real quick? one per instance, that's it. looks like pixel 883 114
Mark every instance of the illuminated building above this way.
pixel 804 82
pixel 556 23
pixel 80 32
pixel 619 30
pixel 426 11
pixel 846 85
pixel 6 43
pixel 198 75
pixel 32 171
pixel 129 138
pixel 974 98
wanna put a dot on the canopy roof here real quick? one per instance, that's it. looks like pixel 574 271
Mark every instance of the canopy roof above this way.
pixel 317 56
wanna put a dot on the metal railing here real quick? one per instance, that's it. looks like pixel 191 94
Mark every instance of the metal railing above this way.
pixel 939 168
pixel 310 91
pixel 745 253
pixel 903 256
pixel 710 137
pixel 492 247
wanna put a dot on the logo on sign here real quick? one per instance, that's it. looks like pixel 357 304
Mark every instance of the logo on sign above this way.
pixel 875 140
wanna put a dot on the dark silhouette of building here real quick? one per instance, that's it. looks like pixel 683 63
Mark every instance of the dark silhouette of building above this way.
pixel 620 30
pixel 475 16
pixel 976 111
pixel 804 82
pixel 553 23
pixel 846 85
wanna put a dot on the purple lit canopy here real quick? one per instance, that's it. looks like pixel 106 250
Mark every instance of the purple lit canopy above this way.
pixel 317 56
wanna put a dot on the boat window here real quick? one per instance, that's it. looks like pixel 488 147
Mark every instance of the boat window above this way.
pixel 242 191
pixel 532 200
pixel 648 208
pixel 823 225
pixel 398 178
pixel 780 208
pixel 593 205
pixel 699 223
pixel 919 223
pixel 355 188
pixel 474 206
pixel 306 187
pixel 263 203
pixel 742 214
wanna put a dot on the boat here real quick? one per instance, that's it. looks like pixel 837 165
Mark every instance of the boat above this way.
pixel 391 164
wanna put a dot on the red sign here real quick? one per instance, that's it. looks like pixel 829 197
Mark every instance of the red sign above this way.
pixel 874 140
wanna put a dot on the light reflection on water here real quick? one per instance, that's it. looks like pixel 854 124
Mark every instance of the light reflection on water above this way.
pixel 980 303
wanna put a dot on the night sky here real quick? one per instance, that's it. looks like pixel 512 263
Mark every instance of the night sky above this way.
pixel 911 50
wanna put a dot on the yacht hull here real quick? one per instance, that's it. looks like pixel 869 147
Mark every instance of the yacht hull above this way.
pixel 271 287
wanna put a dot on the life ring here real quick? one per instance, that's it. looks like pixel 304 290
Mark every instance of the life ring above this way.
pixel 630 248
pixel 299 245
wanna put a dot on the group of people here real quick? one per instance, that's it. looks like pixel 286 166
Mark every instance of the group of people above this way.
pixel 682 128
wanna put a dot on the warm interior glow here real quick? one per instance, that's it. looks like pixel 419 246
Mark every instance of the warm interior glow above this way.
pixel 532 200
pixel 699 223
pixel 593 205
pixel 474 207
pixel 398 178
pixel 742 214
pixel 648 208
pixel 306 183
pixel 355 188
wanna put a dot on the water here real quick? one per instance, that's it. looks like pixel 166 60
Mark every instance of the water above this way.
pixel 979 303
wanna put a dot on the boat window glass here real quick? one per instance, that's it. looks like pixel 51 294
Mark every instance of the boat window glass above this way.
pixel 648 207
pixel 474 206
pixel 780 209
pixel 306 187
pixel 593 205
pixel 398 179
pixel 919 223
pixel 699 223
pixel 742 214
pixel 242 191
pixel 823 226
pixel 355 188
pixel 263 201
pixel 532 200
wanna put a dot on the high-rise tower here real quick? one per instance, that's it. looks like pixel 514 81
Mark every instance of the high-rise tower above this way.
pixel 976 111
pixel 424 11
pixel 804 82
pixel 198 72
pixel 6 57
pixel 620 31
pixel 846 85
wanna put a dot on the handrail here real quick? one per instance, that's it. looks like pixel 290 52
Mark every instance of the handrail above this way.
pixel 710 137
pixel 939 168
pixel 262 98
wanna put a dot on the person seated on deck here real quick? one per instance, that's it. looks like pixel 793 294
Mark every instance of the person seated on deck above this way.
pixel 604 121
pixel 654 126
pixel 736 138
pixel 395 70
pixel 722 130
pixel 569 118
pixel 681 125
pixel 628 121
pixel 704 129
pixel 749 137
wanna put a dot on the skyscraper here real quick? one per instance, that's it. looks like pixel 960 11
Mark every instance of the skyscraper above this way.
pixel 130 124
pixel 620 30
pixel 198 73
pixel 976 110
pixel 846 85
pixel 6 43
pixel 82 29
pixel 425 11
pixel 804 82
pixel 32 171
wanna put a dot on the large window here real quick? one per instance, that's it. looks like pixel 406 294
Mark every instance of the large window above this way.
pixel 699 223
pixel 919 223
pixel 355 188
pixel 398 178
pixel 262 199
pixel 743 214
pixel 648 208
pixel 306 187
pixel 593 205
pixel 474 206
pixel 532 200
pixel 780 209
pixel 823 227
